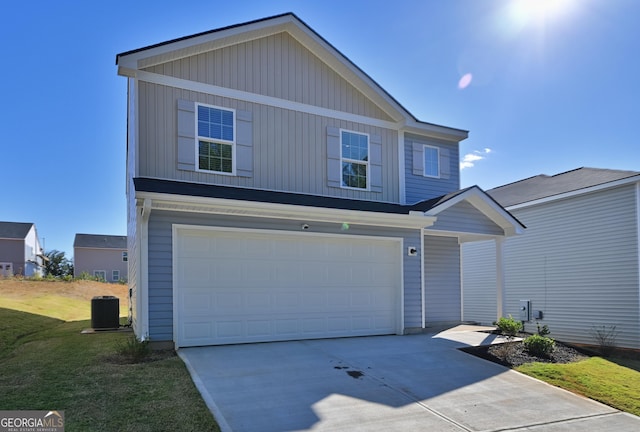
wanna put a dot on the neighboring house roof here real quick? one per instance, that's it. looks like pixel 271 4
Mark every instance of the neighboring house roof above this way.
pixel 137 59
pixel 100 241
pixel 14 230
pixel 545 186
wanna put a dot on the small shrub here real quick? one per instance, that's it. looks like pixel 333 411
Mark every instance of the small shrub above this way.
pixel 540 346
pixel 509 326
pixel 605 337
pixel 134 350
pixel 544 331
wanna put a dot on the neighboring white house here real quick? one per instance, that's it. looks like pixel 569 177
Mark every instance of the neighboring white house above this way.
pixel 277 192
pixel 577 263
pixel 20 251
pixel 103 256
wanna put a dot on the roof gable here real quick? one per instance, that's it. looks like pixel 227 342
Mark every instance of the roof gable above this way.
pixel 15 230
pixel 100 241
pixel 482 202
pixel 136 60
pixel 545 186
pixel 277 66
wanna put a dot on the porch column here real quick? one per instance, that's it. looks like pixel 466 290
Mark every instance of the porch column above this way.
pixel 500 288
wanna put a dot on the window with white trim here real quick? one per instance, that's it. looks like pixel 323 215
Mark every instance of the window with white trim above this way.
pixel 431 161
pixel 354 159
pixel 216 139
pixel 125 256
pixel 116 275
pixel 100 275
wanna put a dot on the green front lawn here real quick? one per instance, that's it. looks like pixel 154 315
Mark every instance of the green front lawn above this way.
pixel 615 382
pixel 47 364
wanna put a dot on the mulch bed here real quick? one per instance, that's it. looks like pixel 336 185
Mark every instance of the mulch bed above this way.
pixel 513 354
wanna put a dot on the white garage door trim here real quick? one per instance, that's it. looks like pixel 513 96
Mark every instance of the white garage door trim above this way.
pixel 393 246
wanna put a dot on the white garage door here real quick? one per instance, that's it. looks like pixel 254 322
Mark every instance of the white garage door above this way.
pixel 251 286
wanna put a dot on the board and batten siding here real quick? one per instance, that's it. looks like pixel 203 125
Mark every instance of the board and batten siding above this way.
pixel 160 261
pixel 417 186
pixel 277 66
pixel 289 147
pixel 442 280
pixel 578 264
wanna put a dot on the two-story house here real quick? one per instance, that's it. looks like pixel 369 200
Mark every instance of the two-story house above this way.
pixel 20 250
pixel 102 256
pixel 277 192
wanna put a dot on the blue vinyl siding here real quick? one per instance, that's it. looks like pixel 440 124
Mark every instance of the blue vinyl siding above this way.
pixel 161 266
pixel 417 186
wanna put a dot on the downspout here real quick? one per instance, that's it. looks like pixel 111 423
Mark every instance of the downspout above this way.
pixel 143 268
pixel 423 306
pixel 461 272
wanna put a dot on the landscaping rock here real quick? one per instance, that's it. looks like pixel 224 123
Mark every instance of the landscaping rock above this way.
pixel 513 354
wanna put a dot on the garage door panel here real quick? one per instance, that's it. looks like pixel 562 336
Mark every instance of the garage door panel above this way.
pixel 253 286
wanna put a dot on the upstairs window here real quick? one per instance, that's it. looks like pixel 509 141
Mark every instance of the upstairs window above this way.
pixel 354 158
pixel 431 161
pixel 216 139
pixel 125 256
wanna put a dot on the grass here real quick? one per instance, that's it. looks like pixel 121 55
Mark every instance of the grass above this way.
pixel 67 301
pixel 47 364
pixel 615 382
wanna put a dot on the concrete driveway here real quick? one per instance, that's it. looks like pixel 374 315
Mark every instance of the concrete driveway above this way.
pixel 385 383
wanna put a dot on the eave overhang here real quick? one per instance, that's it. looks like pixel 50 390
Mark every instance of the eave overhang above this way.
pixel 224 206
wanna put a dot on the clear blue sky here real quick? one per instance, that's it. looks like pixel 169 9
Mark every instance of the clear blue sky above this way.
pixel 550 90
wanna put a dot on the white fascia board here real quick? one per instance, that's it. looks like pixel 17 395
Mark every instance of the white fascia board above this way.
pixel 603 186
pixel 435 131
pixel 170 202
pixel 208 41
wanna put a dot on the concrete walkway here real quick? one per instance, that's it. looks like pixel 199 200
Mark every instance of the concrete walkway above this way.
pixel 385 383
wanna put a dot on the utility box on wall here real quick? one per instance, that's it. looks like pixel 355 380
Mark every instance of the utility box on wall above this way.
pixel 525 310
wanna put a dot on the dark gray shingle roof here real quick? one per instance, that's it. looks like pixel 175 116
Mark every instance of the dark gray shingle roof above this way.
pixel 144 184
pixel 544 186
pixel 100 241
pixel 14 230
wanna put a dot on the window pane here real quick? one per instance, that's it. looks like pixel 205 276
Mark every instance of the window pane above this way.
pixel 354 175
pixel 431 162
pixel 354 146
pixel 225 151
pixel 215 157
pixel 214 150
pixel 227 133
pixel 215 123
